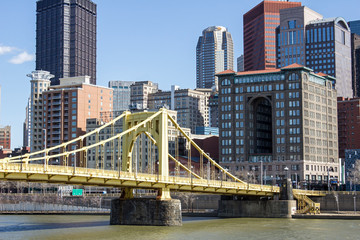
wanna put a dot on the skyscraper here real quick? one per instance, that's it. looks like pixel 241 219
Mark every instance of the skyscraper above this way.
pixel 324 45
pixel 214 53
pixel 291 35
pixel 355 26
pixel 259 34
pixel 66 38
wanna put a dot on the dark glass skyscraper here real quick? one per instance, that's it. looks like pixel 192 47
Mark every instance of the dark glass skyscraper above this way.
pixel 66 38
pixel 355 26
pixel 214 54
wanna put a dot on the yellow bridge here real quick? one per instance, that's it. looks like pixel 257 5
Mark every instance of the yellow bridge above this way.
pixel 167 173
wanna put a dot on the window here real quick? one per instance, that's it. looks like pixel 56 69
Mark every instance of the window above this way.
pixel 292 24
pixel 342 37
pixel 225 82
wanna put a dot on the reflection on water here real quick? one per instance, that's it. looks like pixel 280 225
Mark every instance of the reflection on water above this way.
pixel 97 227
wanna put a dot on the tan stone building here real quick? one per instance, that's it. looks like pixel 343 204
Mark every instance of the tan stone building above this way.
pixel 279 119
pixel 191 105
pixel 144 150
pixel 139 94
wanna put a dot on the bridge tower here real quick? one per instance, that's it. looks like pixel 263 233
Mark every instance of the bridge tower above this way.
pixel 163 210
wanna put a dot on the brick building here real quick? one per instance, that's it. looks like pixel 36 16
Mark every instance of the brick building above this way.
pixel 5 137
pixel 67 106
pixel 348 124
pixel 259 34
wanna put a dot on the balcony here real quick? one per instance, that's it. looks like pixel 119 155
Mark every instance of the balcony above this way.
pixel 56 102
pixel 56 97
pixel 56 120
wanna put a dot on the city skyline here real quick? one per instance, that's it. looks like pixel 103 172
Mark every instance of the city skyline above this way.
pixel 121 57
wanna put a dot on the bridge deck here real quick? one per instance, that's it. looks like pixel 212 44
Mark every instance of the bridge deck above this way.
pixel 109 178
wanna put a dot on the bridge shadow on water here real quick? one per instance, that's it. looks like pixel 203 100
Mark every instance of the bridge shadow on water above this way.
pixel 18 227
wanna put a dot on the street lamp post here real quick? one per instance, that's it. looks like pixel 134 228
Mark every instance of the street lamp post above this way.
pixel 328 177
pixel 44 129
pixel 261 172
pixel 158 170
pixel 253 174
pixel 191 175
pixel 287 172
pixel 208 171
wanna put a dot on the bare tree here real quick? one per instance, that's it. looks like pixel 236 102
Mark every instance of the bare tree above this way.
pixel 246 176
pixel 187 199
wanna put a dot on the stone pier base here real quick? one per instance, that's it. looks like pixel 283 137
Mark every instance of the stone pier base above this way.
pixel 140 211
pixel 257 209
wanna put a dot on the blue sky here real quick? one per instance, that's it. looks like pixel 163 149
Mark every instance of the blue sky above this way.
pixel 137 40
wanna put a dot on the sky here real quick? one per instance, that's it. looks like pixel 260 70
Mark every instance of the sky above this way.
pixel 138 40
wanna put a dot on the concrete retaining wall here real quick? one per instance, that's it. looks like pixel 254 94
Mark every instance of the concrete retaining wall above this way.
pixel 257 209
pixel 343 202
pixel 38 207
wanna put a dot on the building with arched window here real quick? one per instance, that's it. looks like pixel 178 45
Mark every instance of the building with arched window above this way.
pixel 279 119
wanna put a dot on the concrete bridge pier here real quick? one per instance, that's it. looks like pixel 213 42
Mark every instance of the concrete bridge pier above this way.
pixel 162 211
pixel 282 206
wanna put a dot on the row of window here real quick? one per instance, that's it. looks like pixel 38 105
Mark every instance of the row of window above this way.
pixel 324 34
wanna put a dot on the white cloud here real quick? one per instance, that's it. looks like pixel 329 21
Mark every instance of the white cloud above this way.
pixel 6 49
pixel 21 58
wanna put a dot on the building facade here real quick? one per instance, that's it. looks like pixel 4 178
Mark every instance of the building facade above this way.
pixel 291 34
pixel 355 26
pixel 121 94
pixel 139 94
pixel 276 119
pixel 328 48
pixel 26 125
pixel 214 53
pixel 305 37
pixel 191 106
pixel 5 137
pixel 67 106
pixel 355 63
pixel 40 83
pixel 348 124
pixel 144 151
pixel 66 38
pixel 240 63
pixel 259 34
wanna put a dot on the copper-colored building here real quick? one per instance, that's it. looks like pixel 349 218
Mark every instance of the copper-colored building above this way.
pixel 348 124
pixel 259 34
pixel 67 106
pixel 5 137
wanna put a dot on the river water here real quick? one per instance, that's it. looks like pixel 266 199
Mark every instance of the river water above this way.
pixel 97 227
